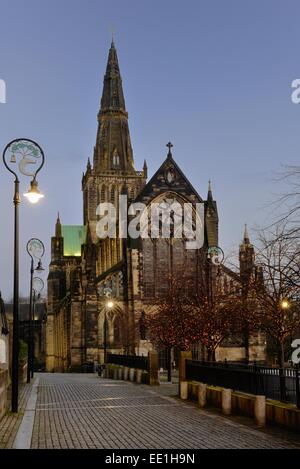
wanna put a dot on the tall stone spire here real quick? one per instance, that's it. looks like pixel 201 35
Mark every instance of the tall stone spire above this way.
pixel 113 151
pixel 112 96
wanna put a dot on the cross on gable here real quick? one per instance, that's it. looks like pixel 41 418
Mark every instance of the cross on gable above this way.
pixel 169 145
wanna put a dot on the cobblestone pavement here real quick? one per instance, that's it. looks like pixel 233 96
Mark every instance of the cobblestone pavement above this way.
pixel 10 423
pixel 84 411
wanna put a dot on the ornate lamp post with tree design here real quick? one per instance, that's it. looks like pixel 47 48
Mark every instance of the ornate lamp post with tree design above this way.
pixel 37 287
pixel 36 250
pixel 18 156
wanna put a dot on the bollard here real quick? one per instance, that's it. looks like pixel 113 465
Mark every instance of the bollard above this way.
pixel 138 376
pixel 131 374
pixel 202 394
pixel 120 373
pixel 115 375
pixel 226 401
pixel 153 368
pixel 183 390
pixel 126 373
pixel 260 411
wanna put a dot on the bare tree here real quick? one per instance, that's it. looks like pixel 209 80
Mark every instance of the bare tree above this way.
pixel 277 296
pixel 287 205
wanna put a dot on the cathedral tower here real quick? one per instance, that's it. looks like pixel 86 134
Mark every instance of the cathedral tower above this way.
pixel 113 164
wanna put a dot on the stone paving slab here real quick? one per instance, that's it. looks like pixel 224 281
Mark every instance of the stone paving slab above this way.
pixel 84 411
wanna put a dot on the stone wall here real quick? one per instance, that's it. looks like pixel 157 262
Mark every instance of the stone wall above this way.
pixel 3 391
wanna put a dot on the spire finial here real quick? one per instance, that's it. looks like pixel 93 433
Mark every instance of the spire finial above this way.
pixel 112 30
pixel 169 145
pixel 246 235
pixel 209 192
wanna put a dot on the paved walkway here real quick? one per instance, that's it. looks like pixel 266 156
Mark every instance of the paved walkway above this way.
pixel 10 423
pixel 84 411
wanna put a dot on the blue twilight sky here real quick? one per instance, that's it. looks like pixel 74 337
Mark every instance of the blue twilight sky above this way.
pixel 212 76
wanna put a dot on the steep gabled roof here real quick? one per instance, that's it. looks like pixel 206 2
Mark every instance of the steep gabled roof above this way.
pixel 159 179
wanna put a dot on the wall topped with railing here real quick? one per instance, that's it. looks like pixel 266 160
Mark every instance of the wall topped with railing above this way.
pixel 139 369
pixel 269 395
pixel 132 361
pixel 282 384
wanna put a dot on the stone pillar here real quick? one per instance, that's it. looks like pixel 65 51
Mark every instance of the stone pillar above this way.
pixel 202 395
pixel 139 376
pixel 182 365
pixel 260 411
pixel 126 373
pixel 131 374
pixel 115 373
pixel 120 373
pixel 153 368
pixel 226 401
pixel 183 389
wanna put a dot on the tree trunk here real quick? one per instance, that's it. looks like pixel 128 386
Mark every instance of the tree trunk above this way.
pixel 211 355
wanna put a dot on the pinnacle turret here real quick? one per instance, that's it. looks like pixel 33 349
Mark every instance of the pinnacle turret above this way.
pixel 58 231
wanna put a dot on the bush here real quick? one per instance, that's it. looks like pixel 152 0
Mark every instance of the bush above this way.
pixel 23 350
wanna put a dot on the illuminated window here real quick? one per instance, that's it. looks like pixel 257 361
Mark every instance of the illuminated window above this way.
pixel 116 160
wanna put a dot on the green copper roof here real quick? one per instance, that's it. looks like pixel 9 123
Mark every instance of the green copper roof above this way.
pixel 74 236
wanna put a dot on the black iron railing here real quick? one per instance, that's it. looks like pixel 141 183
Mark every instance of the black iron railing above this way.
pixel 275 383
pixel 132 361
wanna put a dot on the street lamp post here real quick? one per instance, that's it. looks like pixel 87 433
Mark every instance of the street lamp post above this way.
pixel 284 305
pixel 215 256
pixel 109 305
pixel 29 153
pixel 37 287
pixel 36 250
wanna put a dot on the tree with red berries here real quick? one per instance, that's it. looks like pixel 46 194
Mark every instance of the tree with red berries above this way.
pixel 175 323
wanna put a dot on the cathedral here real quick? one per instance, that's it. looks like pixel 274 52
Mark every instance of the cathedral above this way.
pixel 86 271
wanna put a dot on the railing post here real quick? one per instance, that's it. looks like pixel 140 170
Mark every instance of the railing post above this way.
pixel 297 387
pixel 153 368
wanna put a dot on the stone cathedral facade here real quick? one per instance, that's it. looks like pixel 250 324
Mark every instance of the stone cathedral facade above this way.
pixel 85 269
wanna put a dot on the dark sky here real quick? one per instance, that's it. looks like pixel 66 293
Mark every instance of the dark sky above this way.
pixel 214 77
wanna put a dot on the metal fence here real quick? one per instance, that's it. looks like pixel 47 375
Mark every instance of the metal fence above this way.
pixel 132 361
pixel 275 383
